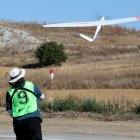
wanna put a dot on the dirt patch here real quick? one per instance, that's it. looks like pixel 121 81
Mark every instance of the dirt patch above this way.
pixel 91 116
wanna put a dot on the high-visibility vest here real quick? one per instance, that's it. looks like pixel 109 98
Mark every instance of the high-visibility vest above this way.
pixel 24 101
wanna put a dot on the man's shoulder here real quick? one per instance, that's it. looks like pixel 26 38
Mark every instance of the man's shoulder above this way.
pixel 10 89
pixel 29 82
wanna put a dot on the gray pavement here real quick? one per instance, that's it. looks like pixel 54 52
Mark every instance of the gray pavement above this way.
pixel 11 136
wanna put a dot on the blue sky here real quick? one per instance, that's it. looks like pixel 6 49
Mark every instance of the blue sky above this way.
pixel 51 11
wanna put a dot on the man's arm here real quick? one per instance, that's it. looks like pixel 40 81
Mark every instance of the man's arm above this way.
pixel 8 104
pixel 42 97
pixel 39 94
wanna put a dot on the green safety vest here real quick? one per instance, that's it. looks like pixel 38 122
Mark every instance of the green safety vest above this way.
pixel 24 101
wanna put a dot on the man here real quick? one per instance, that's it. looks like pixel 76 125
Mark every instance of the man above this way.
pixel 22 105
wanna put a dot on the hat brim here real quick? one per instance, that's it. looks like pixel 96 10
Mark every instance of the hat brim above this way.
pixel 19 77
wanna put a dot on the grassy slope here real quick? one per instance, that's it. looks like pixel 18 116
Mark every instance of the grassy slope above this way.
pixel 112 61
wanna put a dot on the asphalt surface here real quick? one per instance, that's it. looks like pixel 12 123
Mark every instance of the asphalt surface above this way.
pixel 11 136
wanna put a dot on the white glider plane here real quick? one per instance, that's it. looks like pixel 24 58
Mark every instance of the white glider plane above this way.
pixel 98 24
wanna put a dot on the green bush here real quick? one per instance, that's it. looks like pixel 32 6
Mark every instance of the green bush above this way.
pixel 90 105
pixel 51 54
pixel 137 109
pixel 68 104
pixel 73 103
pixel 42 105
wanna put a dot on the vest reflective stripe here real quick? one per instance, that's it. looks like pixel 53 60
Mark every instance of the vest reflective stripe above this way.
pixel 23 102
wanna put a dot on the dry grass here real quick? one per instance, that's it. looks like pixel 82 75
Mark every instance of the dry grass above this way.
pixel 124 96
pixel 113 61
pixel 99 94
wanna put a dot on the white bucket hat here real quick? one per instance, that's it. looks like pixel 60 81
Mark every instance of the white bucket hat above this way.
pixel 16 74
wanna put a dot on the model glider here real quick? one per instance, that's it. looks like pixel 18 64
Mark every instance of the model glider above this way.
pixel 98 24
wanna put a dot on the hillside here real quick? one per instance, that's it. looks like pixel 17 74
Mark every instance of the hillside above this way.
pixel 112 61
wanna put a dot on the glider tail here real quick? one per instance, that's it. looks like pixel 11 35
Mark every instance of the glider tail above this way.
pixel 96 32
pixel 86 37
pixel 95 35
